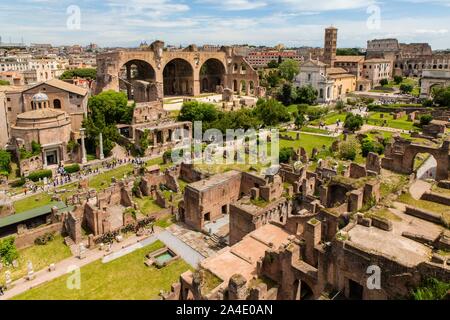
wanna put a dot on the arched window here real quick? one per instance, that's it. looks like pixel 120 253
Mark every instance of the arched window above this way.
pixel 57 104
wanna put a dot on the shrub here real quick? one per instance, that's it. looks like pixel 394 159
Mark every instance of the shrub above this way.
pixel 427 103
pixel 18 183
pixel 44 239
pixel 286 154
pixel 8 250
pixel 398 79
pixel 406 88
pixel 431 289
pixel 40 174
pixel 426 119
pixel 384 82
pixel 353 122
pixel 369 145
pixel 349 149
pixel 72 168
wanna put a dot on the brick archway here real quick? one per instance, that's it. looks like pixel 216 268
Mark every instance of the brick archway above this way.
pixel 400 157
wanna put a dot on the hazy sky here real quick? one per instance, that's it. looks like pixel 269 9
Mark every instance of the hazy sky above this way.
pixel 259 22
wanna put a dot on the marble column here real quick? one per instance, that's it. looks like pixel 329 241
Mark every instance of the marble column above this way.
pixel 83 147
pixel 100 142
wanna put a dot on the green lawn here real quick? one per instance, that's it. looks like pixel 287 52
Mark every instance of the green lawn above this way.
pixel 164 221
pixel 330 118
pixel 314 130
pixel 402 123
pixel 306 141
pixel 147 205
pixel 126 278
pixel 41 256
pixel 32 202
pixel 103 180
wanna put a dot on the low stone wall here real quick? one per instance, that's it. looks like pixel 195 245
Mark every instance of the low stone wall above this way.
pixel 436 197
pixel 381 223
pixel 444 184
pixel 27 239
pixel 423 214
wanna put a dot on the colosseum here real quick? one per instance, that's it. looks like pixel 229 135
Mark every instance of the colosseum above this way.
pixel 152 72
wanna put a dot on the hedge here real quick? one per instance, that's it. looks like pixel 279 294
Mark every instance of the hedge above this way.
pixel 72 168
pixel 40 174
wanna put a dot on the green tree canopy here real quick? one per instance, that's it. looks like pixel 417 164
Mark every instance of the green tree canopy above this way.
pixel 353 122
pixel 86 73
pixel 289 68
pixel 106 110
pixel 441 96
pixel 306 95
pixel 273 64
pixel 384 82
pixel 406 88
pixel 398 79
pixel 271 112
pixel 5 162
pixel 4 83
pixel 198 111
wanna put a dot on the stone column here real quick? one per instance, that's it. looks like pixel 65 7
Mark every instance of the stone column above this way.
pixel 83 147
pixel 100 143
pixel 44 158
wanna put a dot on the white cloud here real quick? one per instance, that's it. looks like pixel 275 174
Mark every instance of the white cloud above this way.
pixel 326 5
pixel 235 5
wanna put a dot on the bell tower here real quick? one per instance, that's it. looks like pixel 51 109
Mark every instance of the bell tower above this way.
pixel 329 55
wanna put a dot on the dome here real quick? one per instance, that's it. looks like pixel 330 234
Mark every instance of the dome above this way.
pixel 40 97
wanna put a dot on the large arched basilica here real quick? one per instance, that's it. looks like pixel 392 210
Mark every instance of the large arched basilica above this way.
pixel 150 73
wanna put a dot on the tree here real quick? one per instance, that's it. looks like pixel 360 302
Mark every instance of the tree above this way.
pixel 340 105
pixel 349 149
pixel 398 79
pixel 271 112
pixel 306 95
pixel 353 122
pixel 286 155
pixel 384 82
pixel 287 95
pixel 273 78
pixel 300 120
pixel 106 110
pixel 273 64
pixel 289 68
pixel 426 119
pixel 406 88
pixel 85 73
pixel 441 96
pixel 369 145
pixel 8 250
pixel 4 83
pixel 198 111
pixel 5 162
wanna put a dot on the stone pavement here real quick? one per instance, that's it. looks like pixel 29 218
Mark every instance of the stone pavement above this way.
pixel 195 240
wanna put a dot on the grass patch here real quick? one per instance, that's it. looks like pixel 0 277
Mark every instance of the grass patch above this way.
pixel 124 278
pixel 314 130
pixel 401 123
pixel 385 214
pixel 209 281
pixel 164 221
pixel 103 180
pixel 38 200
pixel 41 256
pixel 147 205
pixel 441 209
